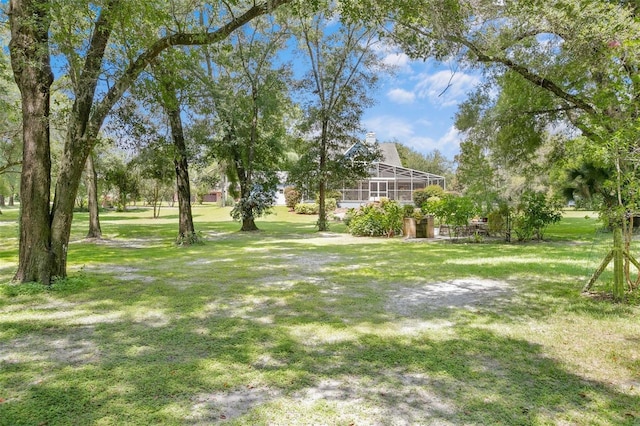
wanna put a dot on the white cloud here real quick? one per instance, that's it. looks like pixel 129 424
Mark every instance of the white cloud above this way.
pixel 388 128
pixel 413 135
pixel 450 142
pixel 399 61
pixel 421 143
pixel 445 88
pixel 401 96
pixel 392 57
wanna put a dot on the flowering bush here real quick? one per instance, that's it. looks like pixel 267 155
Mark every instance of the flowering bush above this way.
pixel 375 220
pixel 256 204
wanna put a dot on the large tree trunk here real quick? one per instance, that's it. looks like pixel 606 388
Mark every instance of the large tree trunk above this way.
pixel 29 49
pixel 2 202
pixel 244 179
pixel 249 225
pixel 69 176
pixel 92 195
pixel 186 230
pixel 322 186
pixel 248 220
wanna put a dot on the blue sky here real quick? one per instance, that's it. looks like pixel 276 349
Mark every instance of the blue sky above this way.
pixel 413 106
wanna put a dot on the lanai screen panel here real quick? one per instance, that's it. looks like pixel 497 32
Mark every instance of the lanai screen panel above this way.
pixel 399 184
pixel 359 193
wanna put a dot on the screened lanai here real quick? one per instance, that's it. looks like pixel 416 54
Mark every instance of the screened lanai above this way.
pixel 388 179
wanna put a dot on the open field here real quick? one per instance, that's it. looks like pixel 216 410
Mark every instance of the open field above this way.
pixel 291 327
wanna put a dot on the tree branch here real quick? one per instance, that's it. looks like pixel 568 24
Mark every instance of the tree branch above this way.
pixel 178 39
pixel 525 72
pixel 9 165
pixel 93 64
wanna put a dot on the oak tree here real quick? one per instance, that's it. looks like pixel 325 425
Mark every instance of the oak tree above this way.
pixel 103 42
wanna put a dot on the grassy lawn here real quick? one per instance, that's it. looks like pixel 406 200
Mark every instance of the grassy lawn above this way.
pixel 288 326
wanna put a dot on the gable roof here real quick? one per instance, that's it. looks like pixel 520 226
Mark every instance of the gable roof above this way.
pixel 388 150
pixel 390 154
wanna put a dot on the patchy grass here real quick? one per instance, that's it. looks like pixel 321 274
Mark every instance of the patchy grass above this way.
pixel 288 326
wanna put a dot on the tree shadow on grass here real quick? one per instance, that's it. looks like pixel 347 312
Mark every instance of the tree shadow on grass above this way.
pixel 141 354
pixel 240 346
pixel 199 371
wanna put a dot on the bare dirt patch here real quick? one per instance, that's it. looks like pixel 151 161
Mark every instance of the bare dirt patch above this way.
pixel 222 406
pixel 127 243
pixel 401 397
pixel 123 273
pixel 74 349
pixel 460 293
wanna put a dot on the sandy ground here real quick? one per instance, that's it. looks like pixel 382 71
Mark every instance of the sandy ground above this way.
pixel 409 403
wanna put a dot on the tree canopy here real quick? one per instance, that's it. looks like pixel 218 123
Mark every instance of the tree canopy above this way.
pixel 112 43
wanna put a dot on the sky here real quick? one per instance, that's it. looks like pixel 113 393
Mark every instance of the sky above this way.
pixel 414 108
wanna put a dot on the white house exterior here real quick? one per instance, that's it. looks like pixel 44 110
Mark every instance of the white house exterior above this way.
pixel 282 184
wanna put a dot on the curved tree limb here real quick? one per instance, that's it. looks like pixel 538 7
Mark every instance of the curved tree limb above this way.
pixel 525 72
pixel 178 39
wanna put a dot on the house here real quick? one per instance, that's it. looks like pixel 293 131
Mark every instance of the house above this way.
pixel 280 199
pixel 388 178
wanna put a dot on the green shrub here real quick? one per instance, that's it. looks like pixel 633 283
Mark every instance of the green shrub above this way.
pixel 306 208
pixel 521 228
pixel 348 217
pixel 433 206
pixel 534 213
pixel 374 220
pixel 292 197
pixel 330 204
pixel 497 221
pixel 420 196
pixel 367 222
pixel 451 209
pixel 460 210
pixel 434 191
